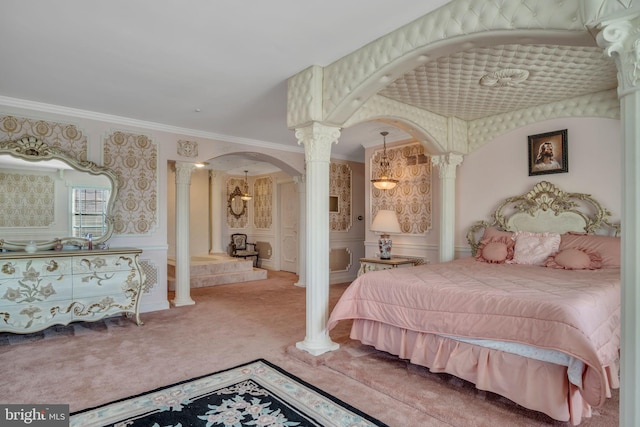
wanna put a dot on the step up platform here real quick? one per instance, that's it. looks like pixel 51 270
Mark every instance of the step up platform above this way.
pixel 216 269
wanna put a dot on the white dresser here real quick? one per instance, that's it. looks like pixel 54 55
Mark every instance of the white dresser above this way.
pixel 47 288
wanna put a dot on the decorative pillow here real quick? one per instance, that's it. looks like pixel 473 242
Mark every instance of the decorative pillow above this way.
pixel 496 250
pixel 534 248
pixel 606 246
pixel 575 259
pixel 491 233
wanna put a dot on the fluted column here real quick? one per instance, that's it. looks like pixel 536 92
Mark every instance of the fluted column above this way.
pixel 317 140
pixel 302 230
pixel 446 164
pixel 183 279
pixel 621 39
pixel 217 211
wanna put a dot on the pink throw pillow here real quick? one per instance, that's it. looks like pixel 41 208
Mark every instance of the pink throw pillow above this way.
pixel 534 248
pixel 606 246
pixel 575 259
pixel 496 250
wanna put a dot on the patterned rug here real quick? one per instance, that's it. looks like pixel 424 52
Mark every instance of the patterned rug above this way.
pixel 255 394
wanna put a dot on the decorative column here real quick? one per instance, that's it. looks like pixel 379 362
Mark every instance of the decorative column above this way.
pixel 302 230
pixel 183 276
pixel 621 39
pixel 217 211
pixel 446 164
pixel 317 140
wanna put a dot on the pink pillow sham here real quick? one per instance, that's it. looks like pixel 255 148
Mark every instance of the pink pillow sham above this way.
pixel 575 259
pixel 607 247
pixel 495 250
pixel 496 246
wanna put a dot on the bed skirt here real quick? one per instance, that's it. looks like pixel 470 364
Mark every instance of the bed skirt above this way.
pixel 537 385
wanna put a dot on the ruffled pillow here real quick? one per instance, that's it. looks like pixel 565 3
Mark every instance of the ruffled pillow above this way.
pixel 575 259
pixel 496 250
pixel 606 246
pixel 534 248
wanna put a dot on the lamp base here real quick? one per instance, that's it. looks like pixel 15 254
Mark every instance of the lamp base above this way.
pixel 384 244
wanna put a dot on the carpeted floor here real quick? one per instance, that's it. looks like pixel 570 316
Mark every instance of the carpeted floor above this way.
pixel 89 365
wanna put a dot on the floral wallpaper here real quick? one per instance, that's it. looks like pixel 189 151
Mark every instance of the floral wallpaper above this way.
pixel 134 158
pixel 340 187
pixel 232 221
pixel 263 202
pixel 26 200
pixel 412 197
pixel 63 136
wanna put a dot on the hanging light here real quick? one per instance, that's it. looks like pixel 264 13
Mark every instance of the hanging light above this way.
pixel 245 194
pixel 384 181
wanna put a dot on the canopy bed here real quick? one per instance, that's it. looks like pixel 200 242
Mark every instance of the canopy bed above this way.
pixel 533 315
pixel 56 215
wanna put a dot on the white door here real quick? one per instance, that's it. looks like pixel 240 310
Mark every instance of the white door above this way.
pixel 289 227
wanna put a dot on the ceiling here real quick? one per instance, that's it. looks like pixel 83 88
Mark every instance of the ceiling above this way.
pixel 220 68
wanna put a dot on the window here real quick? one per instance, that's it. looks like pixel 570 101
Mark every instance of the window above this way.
pixel 89 211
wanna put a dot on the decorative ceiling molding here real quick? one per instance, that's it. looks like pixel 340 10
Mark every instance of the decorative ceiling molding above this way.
pixel 505 77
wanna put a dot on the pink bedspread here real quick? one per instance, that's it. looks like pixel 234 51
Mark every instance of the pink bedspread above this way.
pixel 576 312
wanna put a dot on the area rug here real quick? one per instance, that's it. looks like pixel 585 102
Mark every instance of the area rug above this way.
pixel 254 394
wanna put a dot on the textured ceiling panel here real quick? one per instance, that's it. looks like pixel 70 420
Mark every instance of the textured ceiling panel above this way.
pixel 451 85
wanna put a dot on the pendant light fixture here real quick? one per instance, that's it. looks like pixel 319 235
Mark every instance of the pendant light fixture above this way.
pixel 245 194
pixel 384 180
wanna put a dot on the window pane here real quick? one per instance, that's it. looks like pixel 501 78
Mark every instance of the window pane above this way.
pixel 89 208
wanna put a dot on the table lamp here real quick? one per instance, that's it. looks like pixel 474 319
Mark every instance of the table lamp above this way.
pixel 385 222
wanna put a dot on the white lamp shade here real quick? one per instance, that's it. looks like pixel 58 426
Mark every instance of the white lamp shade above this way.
pixel 386 221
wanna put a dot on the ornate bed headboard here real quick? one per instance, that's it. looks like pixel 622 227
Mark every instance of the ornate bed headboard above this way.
pixel 547 208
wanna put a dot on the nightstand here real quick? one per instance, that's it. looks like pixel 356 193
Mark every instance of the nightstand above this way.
pixel 375 264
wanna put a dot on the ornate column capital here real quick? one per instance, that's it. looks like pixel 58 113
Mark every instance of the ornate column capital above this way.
pixel 317 139
pixel 183 172
pixel 446 164
pixel 620 37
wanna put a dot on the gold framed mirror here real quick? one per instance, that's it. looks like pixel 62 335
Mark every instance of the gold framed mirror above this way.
pixel 237 206
pixel 50 198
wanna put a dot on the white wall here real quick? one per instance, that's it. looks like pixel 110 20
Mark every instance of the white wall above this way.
pixel 500 169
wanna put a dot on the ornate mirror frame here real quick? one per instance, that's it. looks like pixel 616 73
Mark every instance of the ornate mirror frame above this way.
pixel 34 150
pixel 230 203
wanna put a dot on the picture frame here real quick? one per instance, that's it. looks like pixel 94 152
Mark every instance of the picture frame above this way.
pixel 548 153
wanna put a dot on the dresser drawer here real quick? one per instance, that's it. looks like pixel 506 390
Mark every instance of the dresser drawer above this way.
pixel 34 290
pixel 102 263
pixel 97 283
pixel 32 317
pixel 25 268
pixel 91 308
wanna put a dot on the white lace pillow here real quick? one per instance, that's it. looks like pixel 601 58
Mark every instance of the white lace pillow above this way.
pixel 534 248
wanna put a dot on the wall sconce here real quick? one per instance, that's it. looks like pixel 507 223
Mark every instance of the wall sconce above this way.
pixel 385 222
pixel 384 180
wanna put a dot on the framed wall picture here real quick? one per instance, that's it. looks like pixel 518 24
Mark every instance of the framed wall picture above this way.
pixel 548 153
